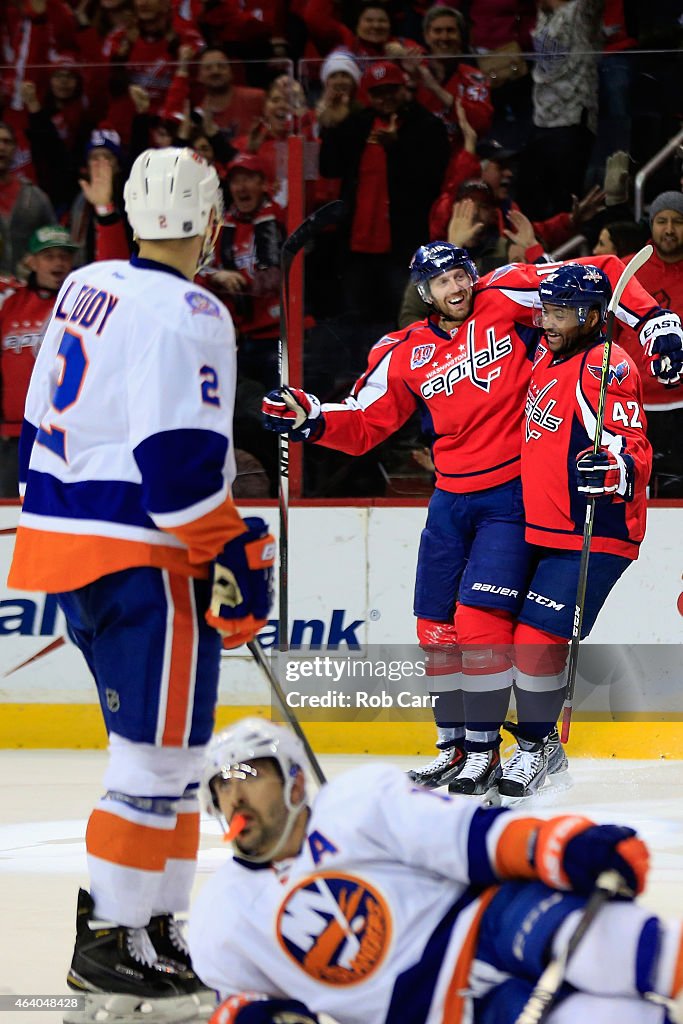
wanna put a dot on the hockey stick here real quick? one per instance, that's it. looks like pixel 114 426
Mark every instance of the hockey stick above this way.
pixel 541 1000
pixel 262 662
pixel 322 218
pixel 627 273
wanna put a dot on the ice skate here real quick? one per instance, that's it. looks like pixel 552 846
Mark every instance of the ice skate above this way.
pixel 479 774
pixel 557 759
pixel 117 970
pixel 525 773
pixel 445 767
pixel 168 938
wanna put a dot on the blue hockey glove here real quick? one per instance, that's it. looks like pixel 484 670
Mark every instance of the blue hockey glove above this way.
pixel 242 585
pixel 294 412
pixel 605 475
pixel 662 338
pixel 570 852
pixel 250 1008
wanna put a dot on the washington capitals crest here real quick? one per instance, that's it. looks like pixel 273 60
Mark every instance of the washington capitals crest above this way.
pixel 615 374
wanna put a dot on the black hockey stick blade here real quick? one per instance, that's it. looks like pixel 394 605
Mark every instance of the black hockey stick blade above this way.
pixel 259 657
pixel 327 215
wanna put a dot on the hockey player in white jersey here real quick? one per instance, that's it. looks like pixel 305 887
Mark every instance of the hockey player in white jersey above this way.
pixel 126 464
pixel 381 902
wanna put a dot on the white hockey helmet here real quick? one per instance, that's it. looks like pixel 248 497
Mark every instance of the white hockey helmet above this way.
pixel 248 740
pixel 170 193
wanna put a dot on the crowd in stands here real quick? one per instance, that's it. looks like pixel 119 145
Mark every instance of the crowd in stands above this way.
pixel 511 127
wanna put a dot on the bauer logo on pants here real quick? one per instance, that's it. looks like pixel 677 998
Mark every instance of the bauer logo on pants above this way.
pixel 336 927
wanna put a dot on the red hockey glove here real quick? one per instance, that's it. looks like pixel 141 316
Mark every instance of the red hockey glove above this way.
pixel 242 585
pixel 294 412
pixel 605 475
pixel 662 338
pixel 570 852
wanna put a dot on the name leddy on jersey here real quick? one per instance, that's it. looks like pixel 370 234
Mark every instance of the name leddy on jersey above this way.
pixel 336 927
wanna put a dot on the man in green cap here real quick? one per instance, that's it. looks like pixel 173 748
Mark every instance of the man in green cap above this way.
pixel 24 312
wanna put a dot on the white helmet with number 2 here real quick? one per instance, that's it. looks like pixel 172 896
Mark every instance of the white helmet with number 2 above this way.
pixel 170 193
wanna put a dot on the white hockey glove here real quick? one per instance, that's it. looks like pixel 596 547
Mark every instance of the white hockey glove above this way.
pixel 662 338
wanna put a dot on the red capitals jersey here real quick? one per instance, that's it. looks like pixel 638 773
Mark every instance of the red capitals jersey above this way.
pixel 560 422
pixel 23 317
pixel 469 385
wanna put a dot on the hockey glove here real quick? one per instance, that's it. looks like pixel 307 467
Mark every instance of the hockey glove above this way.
pixel 250 1008
pixel 570 852
pixel 662 338
pixel 605 475
pixel 294 412
pixel 242 585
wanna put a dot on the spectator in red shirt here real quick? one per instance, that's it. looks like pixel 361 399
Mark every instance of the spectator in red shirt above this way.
pixel 23 316
pixel 284 111
pixel 31 31
pixel 233 108
pixel 391 159
pixel 442 78
pixel 23 207
pixel 148 51
pixel 248 276
pixel 662 276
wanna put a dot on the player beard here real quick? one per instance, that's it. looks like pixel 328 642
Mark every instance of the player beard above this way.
pixel 260 833
pixel 454 314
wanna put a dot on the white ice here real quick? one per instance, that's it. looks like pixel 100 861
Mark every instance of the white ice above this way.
pixel 46 797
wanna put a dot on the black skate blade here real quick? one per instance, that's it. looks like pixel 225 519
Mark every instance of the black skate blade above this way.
pixel 552 787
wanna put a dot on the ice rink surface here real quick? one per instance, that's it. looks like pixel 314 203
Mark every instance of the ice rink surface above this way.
pixel 46 797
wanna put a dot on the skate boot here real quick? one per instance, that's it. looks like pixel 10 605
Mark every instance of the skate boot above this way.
pixel 117 969
pixel 557 759
pixel 479 774
pixel 526 771
pixel 168 939
pixel 445 767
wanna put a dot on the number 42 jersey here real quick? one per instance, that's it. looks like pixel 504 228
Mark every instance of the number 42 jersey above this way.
pixel 560 422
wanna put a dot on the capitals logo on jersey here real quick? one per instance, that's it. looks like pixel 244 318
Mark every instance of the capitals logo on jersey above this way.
pixel 539 414
pixel 336 927
pixel 615 374
pixel 473 365
pixel 420 355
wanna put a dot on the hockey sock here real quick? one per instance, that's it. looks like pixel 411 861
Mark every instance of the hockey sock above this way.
pixel 487 697
pixel 128 841
pixel 176 882
pixel 537 713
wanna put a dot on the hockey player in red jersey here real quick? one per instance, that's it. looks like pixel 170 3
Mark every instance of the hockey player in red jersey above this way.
pixel 466 368
pixel 559 472
pixel 345 905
